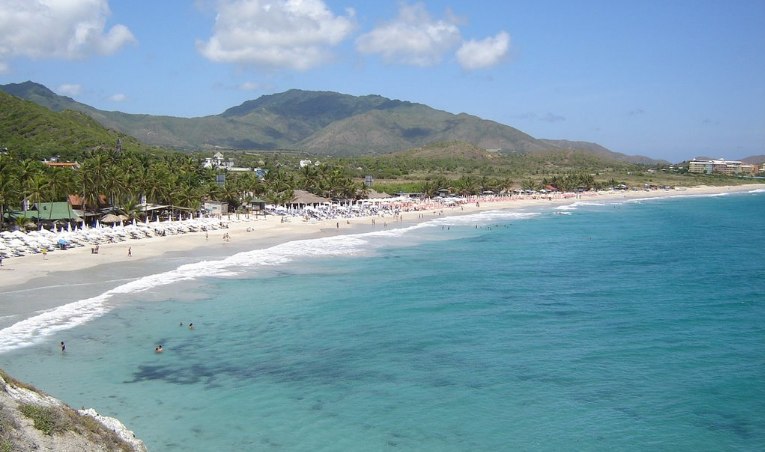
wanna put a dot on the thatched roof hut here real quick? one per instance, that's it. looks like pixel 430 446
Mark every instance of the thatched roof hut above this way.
pixel 373 194
pixel 304 198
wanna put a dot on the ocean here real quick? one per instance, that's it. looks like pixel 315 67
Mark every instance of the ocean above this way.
pixel 625 325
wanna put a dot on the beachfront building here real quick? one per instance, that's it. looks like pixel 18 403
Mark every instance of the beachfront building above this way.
pixel 216 207
pixel 47 213
pixel 721 166
pixel 302 198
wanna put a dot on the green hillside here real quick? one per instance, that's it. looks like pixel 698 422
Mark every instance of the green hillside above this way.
pixel 317 122
pixel 26 125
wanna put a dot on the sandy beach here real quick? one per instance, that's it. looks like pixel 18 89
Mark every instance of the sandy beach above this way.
pixel 18 271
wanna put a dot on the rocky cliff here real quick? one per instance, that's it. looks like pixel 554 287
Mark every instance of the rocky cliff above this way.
pixel 33 421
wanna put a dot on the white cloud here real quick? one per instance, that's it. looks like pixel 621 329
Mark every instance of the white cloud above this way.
pixel 294 34
pixel 118 97
pixel 71 29
pixel 70 90
pixel 413 38
pixel 253 86
pixel 484 53
pixel 552 117
pixel 3 67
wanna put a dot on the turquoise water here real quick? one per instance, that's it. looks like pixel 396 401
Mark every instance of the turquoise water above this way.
pixel 602 326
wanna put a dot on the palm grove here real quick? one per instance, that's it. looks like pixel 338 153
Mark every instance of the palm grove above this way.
pixel 127 178
pixel 178 179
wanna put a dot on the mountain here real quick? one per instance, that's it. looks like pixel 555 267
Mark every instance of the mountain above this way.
pixel 319 122
pixel 754 159
pixel 25 124
pixel 450 149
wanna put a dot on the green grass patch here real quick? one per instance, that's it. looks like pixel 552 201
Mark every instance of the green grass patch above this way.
pixel 47 420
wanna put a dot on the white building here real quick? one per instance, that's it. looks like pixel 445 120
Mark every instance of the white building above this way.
pixel 218 161
pixel 216 207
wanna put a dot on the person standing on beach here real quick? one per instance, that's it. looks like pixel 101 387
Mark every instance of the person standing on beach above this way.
pixel 130 251
pixel 45 253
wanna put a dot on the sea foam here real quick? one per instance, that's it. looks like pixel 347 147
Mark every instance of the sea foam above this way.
pixel 47 323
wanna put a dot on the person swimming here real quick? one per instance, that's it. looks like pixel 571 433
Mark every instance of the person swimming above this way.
pixel 158 349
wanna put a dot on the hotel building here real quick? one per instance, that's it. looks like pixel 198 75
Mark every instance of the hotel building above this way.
pixel 721 166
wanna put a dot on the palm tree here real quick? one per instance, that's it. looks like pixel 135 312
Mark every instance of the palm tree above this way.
pixel 158 183
pixel 529 184
pixel 310 178
pixel 60 182
pixel 279 186
pixel 27 171
pixel 138 181
pixel 36 188
pixel 93 173
pixel 9 187
pixel 188 197
pixel 231 195
pixel 114 185
pixel 132 209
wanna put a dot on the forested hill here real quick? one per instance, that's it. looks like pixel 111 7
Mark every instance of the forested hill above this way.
pixel 318 122
pixel 26 125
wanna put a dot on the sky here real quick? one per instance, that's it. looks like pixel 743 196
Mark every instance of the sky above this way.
pixel 666 79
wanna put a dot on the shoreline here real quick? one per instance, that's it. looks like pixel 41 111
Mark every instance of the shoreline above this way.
pixel 18 272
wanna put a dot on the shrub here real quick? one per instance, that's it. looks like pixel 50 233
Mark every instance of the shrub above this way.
pixel 47 420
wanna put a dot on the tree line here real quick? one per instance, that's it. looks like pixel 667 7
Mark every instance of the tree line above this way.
pixel 176 179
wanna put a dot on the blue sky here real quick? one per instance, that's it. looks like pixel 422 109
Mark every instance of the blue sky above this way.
pixel 666 79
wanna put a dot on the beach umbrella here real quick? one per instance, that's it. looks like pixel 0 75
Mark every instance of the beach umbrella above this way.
pixel 111 218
